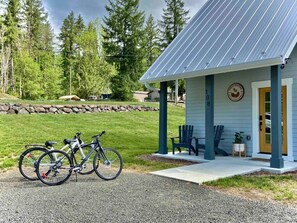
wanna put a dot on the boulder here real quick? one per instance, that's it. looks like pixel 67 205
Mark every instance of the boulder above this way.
pixel 76 110
pixel 53 110
pixel 40 109
pixel 23 111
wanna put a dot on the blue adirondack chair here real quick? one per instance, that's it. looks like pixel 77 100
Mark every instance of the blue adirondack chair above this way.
pixel 218 131
pixel 185 139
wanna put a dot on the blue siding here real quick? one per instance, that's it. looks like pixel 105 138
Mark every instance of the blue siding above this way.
pixel 235 116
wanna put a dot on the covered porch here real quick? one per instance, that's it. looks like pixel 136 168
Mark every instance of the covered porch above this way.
pixel 275 74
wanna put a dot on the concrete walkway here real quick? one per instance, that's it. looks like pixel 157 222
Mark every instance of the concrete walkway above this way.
pixel 221 167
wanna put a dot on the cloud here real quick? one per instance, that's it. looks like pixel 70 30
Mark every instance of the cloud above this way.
pixel 91 9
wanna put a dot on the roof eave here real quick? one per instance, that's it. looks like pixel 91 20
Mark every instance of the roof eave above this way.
pixel 217 70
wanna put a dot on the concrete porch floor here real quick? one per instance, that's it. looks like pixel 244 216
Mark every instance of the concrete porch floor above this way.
pixel 221 167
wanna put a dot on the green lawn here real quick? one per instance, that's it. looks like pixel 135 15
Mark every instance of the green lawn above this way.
pixel 264 186
pixel 131 133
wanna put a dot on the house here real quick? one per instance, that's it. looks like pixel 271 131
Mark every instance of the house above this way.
pixel 239 60
pixel 140 95
pixel 154 95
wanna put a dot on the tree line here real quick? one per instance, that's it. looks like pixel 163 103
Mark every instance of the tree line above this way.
pixel 88 58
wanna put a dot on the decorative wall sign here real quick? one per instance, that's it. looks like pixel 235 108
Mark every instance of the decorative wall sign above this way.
pixel 235 92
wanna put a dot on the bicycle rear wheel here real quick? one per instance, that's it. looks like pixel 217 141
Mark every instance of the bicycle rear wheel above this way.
pixel 28 161
pixel 87 167
pixel 108 165
pixel 54 167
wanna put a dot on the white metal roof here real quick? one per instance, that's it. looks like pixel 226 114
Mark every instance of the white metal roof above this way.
pixel 229 35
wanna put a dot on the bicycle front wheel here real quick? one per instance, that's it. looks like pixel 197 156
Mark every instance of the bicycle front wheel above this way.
pixel 28 161
pixel 108 164
pixel 54 167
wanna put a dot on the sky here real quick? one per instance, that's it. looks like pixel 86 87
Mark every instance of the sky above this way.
pixel 91 9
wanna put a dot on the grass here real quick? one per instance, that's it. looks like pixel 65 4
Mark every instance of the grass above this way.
pixel 276 187
pixel 131 133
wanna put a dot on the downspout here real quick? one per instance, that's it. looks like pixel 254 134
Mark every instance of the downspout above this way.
pixel 147 85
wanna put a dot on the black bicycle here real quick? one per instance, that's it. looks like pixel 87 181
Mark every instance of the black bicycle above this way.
pixel 28 159
pixel 55 167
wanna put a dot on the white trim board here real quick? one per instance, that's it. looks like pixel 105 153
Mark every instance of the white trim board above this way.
pixel 255 122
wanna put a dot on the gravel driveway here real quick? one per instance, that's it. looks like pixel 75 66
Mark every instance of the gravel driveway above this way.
pixel 130 198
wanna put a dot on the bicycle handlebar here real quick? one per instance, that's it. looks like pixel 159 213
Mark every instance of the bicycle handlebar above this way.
pixel 77 135
pixel 99 135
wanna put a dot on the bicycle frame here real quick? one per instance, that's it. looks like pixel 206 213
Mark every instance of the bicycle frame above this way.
pixel 96 146
pixel 71 147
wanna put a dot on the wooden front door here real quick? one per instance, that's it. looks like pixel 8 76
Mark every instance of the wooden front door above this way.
pixel 265 120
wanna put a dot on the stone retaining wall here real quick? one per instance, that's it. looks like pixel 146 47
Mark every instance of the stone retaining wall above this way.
pixel 10 108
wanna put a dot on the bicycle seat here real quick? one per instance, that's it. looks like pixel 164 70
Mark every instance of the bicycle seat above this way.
pixel 50 143
pixel 68 141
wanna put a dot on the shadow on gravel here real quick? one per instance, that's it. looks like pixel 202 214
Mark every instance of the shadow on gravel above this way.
pixel 12 179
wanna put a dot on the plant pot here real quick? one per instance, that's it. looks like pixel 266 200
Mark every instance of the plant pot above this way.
pixel 238 147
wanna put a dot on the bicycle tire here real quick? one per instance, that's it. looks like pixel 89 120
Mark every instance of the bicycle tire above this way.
pixel 28 161
pixel 54 172
pixel 108 169
pixel 88 166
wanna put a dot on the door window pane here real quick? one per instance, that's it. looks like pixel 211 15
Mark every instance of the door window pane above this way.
pixel 267 118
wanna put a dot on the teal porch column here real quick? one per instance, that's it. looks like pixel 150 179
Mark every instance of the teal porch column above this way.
pixel 209 118
pixel 163 119
pixel 276 160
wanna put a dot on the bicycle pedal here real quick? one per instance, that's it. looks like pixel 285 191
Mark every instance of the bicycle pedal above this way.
pixel 28 155
pixel 44 176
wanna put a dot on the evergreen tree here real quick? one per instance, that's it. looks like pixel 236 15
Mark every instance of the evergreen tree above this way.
pixel 34 19
pixel 79 25
pixel 67 36
pixel 150 42
pixel 12 34
pixel 12 23
pixel 173 21
pixel 4 58
pixel 49 62
pixel 79 28
pixel 122 34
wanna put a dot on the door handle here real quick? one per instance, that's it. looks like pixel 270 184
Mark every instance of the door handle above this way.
pixel 260 122
pixel 260 126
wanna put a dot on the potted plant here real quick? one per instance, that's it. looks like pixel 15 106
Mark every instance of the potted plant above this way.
pixel 238 142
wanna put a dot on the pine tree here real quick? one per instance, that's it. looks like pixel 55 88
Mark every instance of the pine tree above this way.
pixel 12 34
pixel 79 28
pixel 173 21
pixel 49 61
pixel 34 18
pixel 122 34
pixel 12 22
pixel 150 42
pixel 67 36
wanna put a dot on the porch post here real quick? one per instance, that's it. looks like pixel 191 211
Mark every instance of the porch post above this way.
pixel 276 160
pixel 163 119
pixel 209 118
